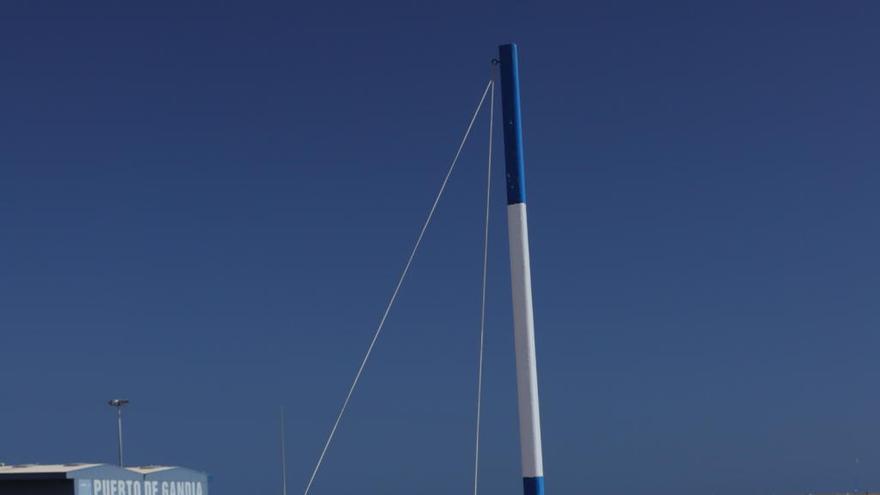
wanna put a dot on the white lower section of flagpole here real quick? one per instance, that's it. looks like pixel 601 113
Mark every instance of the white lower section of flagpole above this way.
pixel 524 335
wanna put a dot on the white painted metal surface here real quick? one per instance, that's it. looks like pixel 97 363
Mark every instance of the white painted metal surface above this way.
pixel 45 468
pixel 524 334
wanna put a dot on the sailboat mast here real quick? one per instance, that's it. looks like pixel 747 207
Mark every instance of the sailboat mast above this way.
pixel 283 440
pixel 520 275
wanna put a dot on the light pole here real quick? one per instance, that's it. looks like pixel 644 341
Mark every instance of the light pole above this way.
pixel 118 404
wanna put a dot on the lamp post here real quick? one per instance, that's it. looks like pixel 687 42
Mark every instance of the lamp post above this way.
pixel 118 404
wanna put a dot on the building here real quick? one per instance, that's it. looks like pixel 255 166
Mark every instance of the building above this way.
pixel 172 480
pixel 100 479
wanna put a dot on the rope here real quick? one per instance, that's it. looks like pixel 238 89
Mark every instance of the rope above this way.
pixel 412 255
pixel 483 292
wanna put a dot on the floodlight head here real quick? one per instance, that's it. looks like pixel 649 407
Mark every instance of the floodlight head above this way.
pixel 118 402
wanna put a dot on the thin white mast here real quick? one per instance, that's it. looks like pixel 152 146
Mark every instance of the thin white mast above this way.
pixel 283 456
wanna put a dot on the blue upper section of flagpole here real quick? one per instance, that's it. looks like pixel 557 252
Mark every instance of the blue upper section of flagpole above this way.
pixel 513 148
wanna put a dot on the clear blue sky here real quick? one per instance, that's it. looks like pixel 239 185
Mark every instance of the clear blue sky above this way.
pixel 204 206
